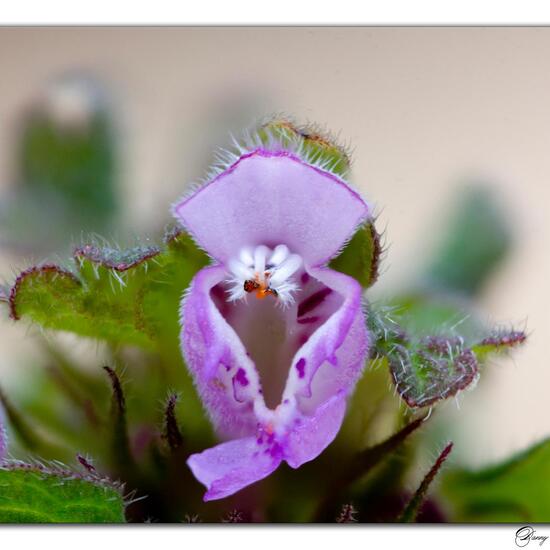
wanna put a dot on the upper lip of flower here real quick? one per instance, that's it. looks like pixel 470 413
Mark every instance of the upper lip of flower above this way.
pixel 271 221
pixel 223 228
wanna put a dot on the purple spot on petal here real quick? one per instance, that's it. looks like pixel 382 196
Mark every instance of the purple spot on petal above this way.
pixel 241 378
pixel 313 301
pixel 301 367
pixel 304 278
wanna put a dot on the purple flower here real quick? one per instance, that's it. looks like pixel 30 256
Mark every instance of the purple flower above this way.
pixel 274 339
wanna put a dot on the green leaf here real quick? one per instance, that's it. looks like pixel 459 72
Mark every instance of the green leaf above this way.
pixel 316 147
pixel 360 258
pixel 124 296
pixel 34 494
pixel 434 369
pixel 498 342
pixel 428 369
pixel 517 490
pixel 424 370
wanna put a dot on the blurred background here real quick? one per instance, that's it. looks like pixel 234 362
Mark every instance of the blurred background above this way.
pixel 430 114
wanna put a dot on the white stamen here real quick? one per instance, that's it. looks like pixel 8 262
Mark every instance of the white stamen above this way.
pixel 285 292
pixel 273 278
pixel 280 254
pixel 246 256
pixel 236 291
pixel 240 270
pixel 260 255
pixel 285 270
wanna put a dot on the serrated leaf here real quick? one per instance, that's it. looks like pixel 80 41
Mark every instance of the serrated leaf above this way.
pixel 360 258
pixel 499 341
pixel 41 289
pixel 117 260
pixel 30 494
pixel 125 296
pixel 517 490
pixel 432 370
pixel 385 331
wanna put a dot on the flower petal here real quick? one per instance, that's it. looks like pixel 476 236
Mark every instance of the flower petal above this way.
pixel 224 374
pixel 227 468
pixel 334 356
pixel 313 434
pixel 272 197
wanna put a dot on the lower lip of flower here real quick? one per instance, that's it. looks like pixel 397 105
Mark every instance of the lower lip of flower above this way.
pixel 272 335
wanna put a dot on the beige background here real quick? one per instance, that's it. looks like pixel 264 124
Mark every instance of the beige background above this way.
pixel 421 107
